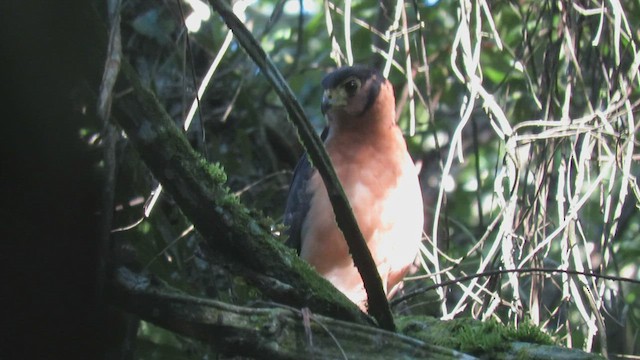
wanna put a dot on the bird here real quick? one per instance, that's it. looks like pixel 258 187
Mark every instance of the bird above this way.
pixel 370 157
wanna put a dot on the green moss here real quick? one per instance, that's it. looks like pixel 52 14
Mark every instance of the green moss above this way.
pixel 528 332
pixel 215 170
pixel 488 338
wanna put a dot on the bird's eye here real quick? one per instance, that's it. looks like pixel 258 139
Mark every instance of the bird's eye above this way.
pixel 351 86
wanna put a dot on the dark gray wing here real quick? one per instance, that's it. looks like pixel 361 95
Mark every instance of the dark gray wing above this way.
pixel 298 202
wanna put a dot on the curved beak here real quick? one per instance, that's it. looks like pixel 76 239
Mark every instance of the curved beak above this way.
pixel 332 98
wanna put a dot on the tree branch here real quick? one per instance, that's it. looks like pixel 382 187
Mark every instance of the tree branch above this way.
pixel 285 333
pixel 496 272
pixel 269 333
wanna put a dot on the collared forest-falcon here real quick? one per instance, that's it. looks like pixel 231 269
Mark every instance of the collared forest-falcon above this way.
pixel 370 157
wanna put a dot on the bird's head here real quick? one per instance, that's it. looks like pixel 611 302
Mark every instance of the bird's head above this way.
pixel 356 92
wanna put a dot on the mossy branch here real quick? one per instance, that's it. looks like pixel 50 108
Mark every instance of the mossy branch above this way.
pixel 198 188
pixel 286 333
pixel 377 300
pixel 265 333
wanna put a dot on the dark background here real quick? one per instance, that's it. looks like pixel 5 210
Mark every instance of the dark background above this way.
pixel 50 69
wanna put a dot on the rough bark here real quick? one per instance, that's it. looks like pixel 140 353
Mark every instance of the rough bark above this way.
pixel 285 333
pixel 265 333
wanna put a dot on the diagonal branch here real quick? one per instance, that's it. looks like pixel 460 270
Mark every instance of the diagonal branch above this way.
pixel 377 300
